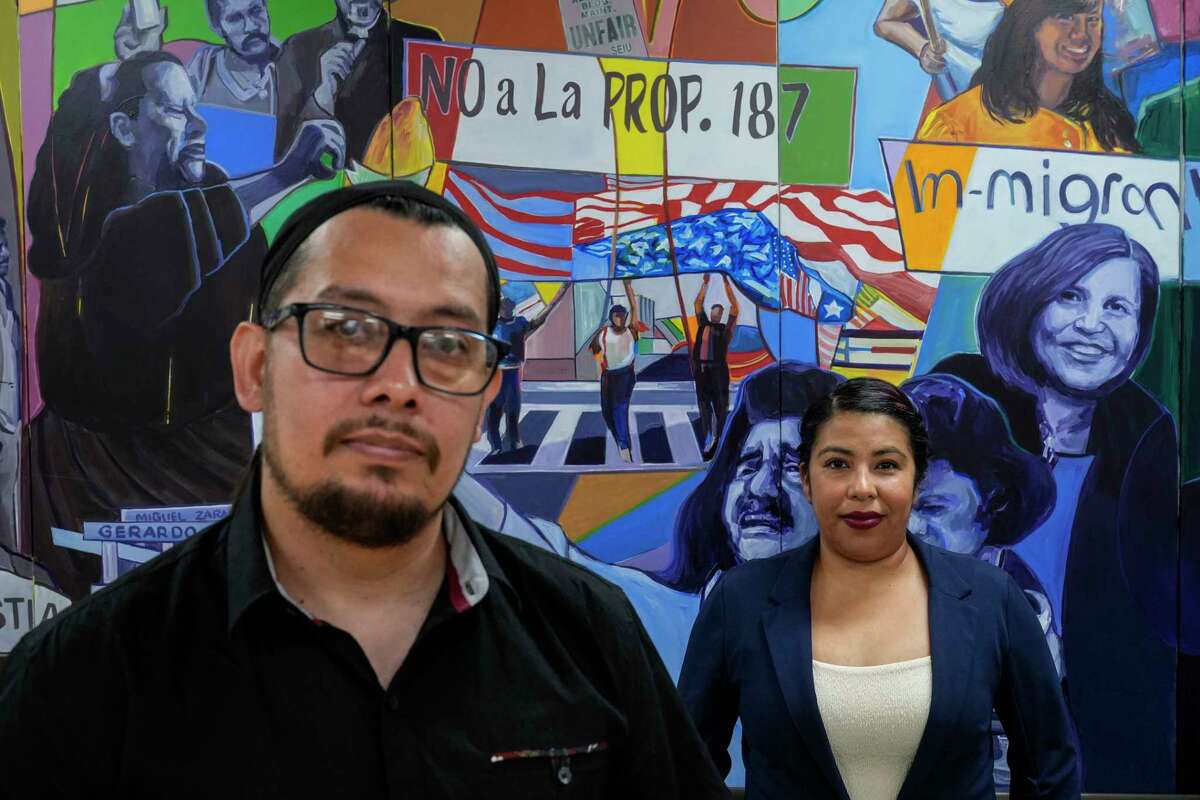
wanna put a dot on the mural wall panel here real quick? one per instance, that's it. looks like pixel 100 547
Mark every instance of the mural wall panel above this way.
pixel 706 214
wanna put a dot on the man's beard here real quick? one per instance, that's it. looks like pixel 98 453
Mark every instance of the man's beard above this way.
pixel 357 517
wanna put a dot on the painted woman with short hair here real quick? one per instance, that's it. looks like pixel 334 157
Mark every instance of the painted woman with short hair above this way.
pixel 865 664
pixel 1041 84
pixel 1062 327
pixel 982 495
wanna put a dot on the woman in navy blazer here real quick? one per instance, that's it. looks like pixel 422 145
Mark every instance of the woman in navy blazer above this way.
pixel 845 596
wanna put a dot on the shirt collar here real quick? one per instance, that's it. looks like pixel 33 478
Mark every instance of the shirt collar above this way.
pixel 470 569
pixel 376 28
pixel 245 91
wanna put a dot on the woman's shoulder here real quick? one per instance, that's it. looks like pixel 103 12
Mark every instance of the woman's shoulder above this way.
pixel 954 118
pixel 753 581
pixel 1130 397
pixel 974 369
pixel 959 573
pixel 964 365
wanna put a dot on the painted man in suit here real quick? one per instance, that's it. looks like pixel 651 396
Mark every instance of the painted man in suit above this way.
pixel 340 71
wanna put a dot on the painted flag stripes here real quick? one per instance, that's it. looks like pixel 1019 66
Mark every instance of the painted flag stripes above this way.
pixel 529 233
pixel 873 349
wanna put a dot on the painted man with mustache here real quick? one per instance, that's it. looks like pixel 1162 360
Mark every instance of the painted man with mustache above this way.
pixel 241 73
pixel 147 262
pixel 750 504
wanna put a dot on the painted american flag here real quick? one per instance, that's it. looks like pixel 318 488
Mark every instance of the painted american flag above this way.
pixel 530 233
pixel 849 238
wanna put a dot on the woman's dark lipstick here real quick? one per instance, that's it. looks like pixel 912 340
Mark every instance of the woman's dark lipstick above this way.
pixel 862 520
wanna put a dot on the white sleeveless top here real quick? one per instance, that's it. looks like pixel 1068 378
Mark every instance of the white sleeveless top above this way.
pixel 874 718
pixel 619 348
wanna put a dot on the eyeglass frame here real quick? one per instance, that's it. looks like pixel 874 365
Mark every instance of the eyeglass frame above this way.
pixel 396 331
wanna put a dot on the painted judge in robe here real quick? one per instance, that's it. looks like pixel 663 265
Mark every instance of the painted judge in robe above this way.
pixel 146 264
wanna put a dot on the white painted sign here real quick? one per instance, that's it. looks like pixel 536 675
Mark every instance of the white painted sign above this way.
pixel 22 606
pixel 583 113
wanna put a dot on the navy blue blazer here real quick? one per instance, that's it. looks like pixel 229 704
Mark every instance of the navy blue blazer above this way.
pixel 750 657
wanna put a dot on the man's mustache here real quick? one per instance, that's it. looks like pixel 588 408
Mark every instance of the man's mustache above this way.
pixel 754 506
pixel 433 453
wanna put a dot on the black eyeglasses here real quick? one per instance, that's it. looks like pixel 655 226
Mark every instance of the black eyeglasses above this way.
pixel 350 341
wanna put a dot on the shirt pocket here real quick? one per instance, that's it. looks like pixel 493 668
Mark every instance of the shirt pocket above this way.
pixel 578 772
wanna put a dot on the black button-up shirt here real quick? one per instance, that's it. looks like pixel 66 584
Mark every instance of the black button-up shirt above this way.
pixel 193 676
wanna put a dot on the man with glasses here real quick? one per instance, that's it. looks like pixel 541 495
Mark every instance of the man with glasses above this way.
pixel 349 631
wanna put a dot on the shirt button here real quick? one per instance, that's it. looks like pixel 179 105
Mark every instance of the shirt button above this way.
pixel 393 702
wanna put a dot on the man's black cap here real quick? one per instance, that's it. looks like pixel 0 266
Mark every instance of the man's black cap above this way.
pixel 300 225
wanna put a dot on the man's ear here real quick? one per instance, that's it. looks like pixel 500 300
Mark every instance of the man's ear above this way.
pixel 248 358
pixel 805 484
pixel 121 125
pixel 489 395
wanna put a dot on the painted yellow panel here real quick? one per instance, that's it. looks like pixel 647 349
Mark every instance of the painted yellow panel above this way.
pixel 599 499
pixel 638 152
pixel 32 6
pixel 925 192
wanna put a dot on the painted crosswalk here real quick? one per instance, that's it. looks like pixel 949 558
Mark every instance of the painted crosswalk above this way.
pixel 574 438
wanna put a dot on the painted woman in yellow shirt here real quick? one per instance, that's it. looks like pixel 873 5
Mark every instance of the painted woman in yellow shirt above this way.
pixel 1040 85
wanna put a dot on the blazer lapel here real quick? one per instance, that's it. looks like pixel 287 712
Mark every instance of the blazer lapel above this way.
pixel 952 622
pixel 787 624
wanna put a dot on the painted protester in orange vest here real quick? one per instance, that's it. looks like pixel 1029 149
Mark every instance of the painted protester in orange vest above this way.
pixel 615 347
pixel 1040 85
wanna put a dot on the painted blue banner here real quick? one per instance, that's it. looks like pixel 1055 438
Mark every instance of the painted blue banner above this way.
pixel 141 532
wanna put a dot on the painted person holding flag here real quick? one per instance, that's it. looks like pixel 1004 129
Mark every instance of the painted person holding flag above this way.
pixel 710 363
pixel 615 347
pixel 513 328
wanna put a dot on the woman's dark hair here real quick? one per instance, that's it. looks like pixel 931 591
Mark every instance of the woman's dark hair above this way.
pixel 1010 61
pixel 867 396
pixel 700 542
pixel 969 431
pixel 1013 298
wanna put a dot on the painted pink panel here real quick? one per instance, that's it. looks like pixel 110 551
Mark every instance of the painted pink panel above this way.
pixel 37 70
pixel 1167 19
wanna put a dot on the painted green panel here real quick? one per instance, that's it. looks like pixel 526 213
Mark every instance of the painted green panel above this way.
pixel 83 32
pixel 815 142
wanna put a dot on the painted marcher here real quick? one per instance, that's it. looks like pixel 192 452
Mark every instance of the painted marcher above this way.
pixel 710 363
pixel 615 347
pixel 513 329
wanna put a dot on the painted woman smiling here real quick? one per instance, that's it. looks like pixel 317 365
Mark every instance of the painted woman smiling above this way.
pixel 1062 327
pixel 1040 84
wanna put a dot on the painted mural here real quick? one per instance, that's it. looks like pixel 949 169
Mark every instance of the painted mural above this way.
pixel 707 214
